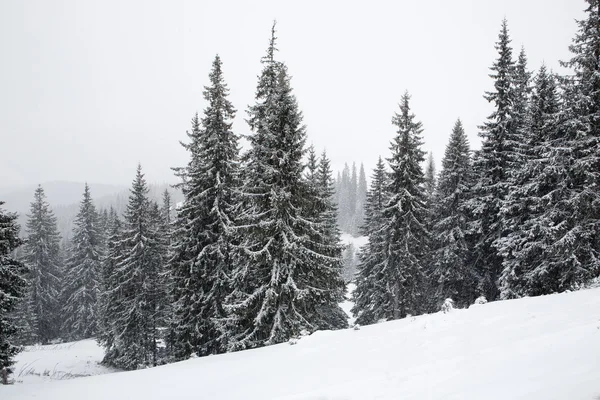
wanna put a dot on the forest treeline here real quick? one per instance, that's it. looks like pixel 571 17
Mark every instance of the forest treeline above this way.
pixel 253 257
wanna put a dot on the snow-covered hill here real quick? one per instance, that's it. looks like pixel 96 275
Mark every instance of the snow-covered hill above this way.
pixel 535 348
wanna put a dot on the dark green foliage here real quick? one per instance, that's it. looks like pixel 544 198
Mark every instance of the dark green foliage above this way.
pixel 203 249
pixel 452 275
pixel 282 284
pixel 392 272
pixel 12 286
pixel 82 274
pixel 42 257
pixel 367 294
pixel 498 155
pixel 131 338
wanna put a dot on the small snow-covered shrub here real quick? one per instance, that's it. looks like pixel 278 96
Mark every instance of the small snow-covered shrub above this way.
pixel 356 327
pixel 448 305
pixel 480 300
pixel 304 332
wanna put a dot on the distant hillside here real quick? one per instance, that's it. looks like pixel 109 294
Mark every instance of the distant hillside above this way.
pixel 64 197
pixel 59 193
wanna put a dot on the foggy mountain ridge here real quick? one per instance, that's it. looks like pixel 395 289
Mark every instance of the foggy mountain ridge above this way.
pixel 64 198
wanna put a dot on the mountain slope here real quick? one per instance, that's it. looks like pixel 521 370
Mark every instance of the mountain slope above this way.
pixel 534 348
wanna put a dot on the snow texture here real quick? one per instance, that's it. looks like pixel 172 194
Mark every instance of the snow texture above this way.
pixel 533 348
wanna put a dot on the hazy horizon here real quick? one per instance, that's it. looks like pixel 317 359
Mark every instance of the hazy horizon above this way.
pixel 92 88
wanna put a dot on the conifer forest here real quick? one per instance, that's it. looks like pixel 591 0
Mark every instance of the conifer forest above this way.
pixel 252 254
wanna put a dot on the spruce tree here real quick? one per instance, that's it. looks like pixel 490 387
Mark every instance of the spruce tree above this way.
pixel 344 214
pixel 367 294
pixel 281 284
pixel 333 317
pixel 109 298
pixel 526 209
pixel 574 256
pixel 407 241
pixel 204 252
pixel 452 274
pixel 396 257
pixel 498 154
pixel 82 273
pixel 430 181
pixel 352 201
pixel 132 339
pixel 12 286
pixel 42 257
pixel 361 197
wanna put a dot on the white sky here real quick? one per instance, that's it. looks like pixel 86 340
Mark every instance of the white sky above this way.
pixel 89 88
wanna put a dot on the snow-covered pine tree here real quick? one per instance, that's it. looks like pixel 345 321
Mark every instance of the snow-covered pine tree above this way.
pixel 41 254
pixel 527 207
pixel 391 282
pixel 104 222
pixel 110 297
pixel 430 181
pixel 158 300
pixel 406 243
pixel 575 253
pixel 343 200
pixel 81 285
pixel 204 250
pixel 166 226
pixel 332 316
pixel 133 337
pixel 493 162
pixel 281 284
pixel 452 275
pixel 12 286
pixel 352 202
pixel 167 209
pixel 361 198
pixel 367 293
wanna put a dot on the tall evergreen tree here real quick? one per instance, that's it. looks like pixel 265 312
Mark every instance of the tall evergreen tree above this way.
pixel 452 275
pixel 361 198
pixel 367 294
pixel 204 243
pixel 430 181
pixel 110 296
pixel 42 256
pixel 407 242
pixel 133 337
pixel 344 208
pixel 352 201
pixel 82 278
pixel 282 285
pixel 575 253
pixel 496 157
pixel 525 210
pixel 333 317
pixel 401 252
pixel 12 286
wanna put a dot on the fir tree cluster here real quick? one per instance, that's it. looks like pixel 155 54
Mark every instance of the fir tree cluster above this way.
pixel 519 217
pixel 253 257
pixel 351 194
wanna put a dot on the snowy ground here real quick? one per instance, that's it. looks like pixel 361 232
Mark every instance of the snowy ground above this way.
pixel 356 241
pixel 535 348
pixel 348 304
pixel 58 362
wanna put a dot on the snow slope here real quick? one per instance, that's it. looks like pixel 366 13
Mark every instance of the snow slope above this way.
pixel 59 361
pixel 534 348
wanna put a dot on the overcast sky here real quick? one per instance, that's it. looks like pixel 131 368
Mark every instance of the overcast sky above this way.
pixel 88 89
